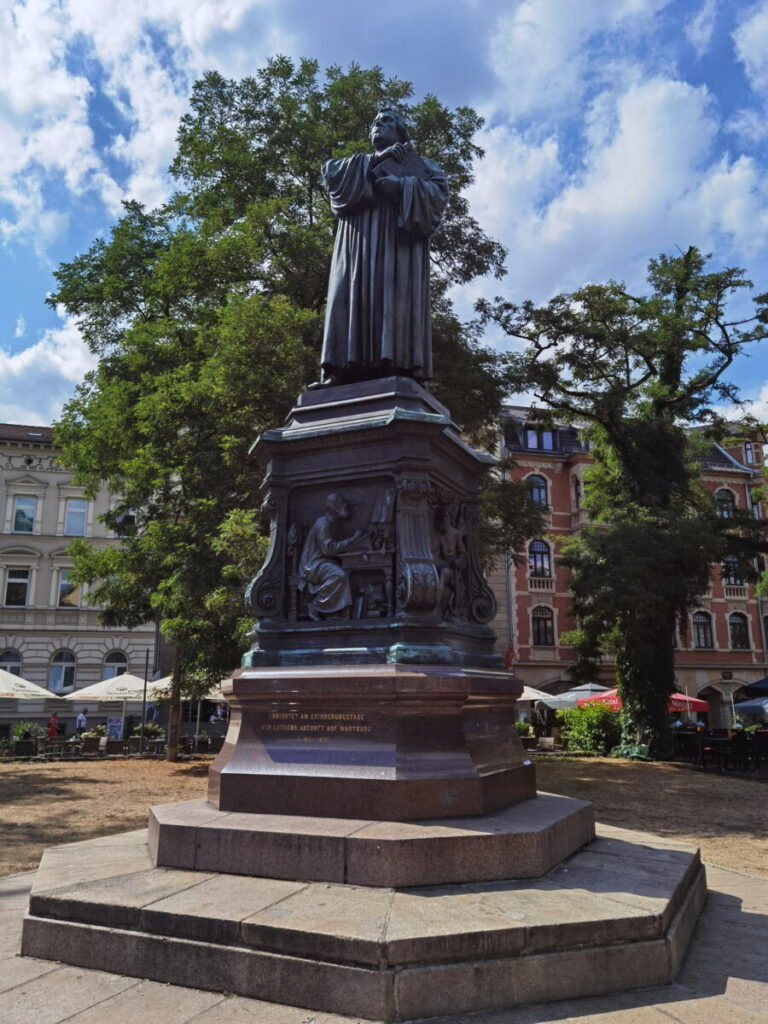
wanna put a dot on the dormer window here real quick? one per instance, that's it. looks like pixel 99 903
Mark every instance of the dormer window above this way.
pixel 535 437
pixel 749 453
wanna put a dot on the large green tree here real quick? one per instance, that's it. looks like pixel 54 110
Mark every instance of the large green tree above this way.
pixel 645 374
pixel 206 316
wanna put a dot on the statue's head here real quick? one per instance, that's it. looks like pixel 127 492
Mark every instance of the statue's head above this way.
pixel 388 128
pixel 336 505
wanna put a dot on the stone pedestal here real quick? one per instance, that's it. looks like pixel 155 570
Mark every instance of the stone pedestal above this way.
pixel 389 742
pixel 411 484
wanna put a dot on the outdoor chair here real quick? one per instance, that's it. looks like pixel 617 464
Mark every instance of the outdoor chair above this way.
pixel 90 745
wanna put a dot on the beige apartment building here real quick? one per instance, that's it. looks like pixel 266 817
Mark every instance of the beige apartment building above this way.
pixel 48 634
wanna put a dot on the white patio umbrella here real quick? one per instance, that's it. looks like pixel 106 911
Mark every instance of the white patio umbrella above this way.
pixel 13 687
pixel 125 687
pixel 530 693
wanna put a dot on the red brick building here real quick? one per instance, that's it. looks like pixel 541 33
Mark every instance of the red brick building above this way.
pixel 725 644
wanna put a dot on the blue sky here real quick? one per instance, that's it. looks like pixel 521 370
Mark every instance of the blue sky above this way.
pixel 615 129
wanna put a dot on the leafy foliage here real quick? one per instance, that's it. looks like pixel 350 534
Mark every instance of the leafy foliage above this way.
pixel 639 372
pixel 595 727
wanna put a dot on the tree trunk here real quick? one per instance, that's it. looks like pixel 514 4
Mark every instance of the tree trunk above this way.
pixel 174 715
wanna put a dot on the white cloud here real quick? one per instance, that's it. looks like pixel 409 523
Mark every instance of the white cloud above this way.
pixel 35 383
pixel 21 327
pixel 700 29
pixel 650 180
pixel 540 56
pixel 149 53
pixel 751 40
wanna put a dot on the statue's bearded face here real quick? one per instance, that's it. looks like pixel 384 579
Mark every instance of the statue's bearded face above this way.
pixel 384 131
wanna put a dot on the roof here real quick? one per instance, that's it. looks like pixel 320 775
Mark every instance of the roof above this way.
pixel 20 432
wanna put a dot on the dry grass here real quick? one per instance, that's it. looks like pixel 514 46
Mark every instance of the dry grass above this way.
pixel 726 817
pixel 45 804
pixel 65 801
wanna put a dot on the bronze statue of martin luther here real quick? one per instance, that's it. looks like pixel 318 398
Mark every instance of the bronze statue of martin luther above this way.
pixel 377 320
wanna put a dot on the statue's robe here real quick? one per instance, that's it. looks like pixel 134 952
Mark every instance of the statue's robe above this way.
pixel 377 318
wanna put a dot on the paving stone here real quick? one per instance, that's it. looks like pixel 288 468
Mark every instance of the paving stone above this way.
pixel 235 1010
pixel 113 902
pixel 18 970
pixel 58 995
pixel 65 866
pixel 137 837
pixel 325 921
pixel 714 1010
pixel 170 1005
pixel 213 910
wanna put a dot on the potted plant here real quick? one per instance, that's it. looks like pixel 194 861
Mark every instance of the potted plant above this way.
pixel 526 734
pixel 25 736
pixel 202 742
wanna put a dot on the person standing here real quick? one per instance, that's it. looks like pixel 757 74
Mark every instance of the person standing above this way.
pixel 53 726
pixel 81 722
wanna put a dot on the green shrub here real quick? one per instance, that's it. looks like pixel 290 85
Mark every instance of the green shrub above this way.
pixel 151 731
pixel 594 728
pixel 523 728
pixel 33 729
pixel 97 730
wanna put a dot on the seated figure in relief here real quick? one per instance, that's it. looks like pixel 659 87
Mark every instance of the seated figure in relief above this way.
pixel 322 579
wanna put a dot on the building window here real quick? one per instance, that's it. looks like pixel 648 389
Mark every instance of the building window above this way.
pixel 544 439
pixel 543 625
pixel 749 453
pixel 115 664
pixel 62 672
pixel 537 488
pixel 539 562
pixel 24 512
pixel 17 588
pixel 577 491
pixel 10 661
pixel 726 503
pixel 702 630
pixel 732 574
pixel 739 631
pixel 755 503
pixel 69 592
pixel 75 517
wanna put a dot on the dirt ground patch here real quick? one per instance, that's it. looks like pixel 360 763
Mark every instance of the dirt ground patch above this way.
pixel 42 805
pixel 63 802
pixel 726 817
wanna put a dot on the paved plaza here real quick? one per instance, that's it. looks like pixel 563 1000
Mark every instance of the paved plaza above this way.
pixel 724 979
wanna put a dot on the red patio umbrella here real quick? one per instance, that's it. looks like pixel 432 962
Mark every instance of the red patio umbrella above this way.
pixel 677 702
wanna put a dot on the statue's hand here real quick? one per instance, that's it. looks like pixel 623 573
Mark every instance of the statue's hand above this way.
pixel 397 152
pixel 389 187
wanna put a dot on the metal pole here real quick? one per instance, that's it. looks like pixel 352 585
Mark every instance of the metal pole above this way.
pixel 197 727
pixel 144 703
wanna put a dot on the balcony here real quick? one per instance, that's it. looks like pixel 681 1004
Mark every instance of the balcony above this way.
pixel 735 592
pixel 541 583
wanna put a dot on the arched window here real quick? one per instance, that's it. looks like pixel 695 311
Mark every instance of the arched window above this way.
pixel 61 675
pixel 726 503
pixel 537 487
pixel 115 664
pixel 543 626
pixel 10 661
pixel 732 574
pixel 739 630
pixel 702 630
pixel 539 562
